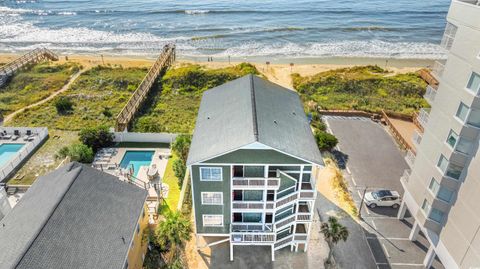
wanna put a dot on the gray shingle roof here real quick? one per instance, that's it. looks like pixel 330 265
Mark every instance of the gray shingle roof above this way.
pixel 74 217
pixel 247 110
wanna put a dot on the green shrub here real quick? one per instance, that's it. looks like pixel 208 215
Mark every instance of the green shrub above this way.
pixel 96 137
pixel 148 124
pixel 325 141
pixel 181 146
pixel 64 105
pixel 179 170
pixel 77 152
pixel 106 112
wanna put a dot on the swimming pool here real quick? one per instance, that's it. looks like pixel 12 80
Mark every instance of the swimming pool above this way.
pixel 7 151
pixel 136 159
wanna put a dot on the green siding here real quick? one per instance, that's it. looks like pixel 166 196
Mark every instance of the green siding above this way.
pixel 212 186
pixel 263 156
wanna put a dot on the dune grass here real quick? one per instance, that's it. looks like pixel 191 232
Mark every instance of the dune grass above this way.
pixel 366 88
pixel 175 100
pixel 30 86
pixel 98 96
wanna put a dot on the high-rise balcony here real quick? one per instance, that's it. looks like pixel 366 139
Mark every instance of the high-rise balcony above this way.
pixel 256 183
pixel 410 158
pixel 437 69
pixel 423 116
pixel 449 36
pixel 430 94
pixel 417 138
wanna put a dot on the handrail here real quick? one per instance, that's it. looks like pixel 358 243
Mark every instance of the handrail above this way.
pixel 126 114
pixel 32 56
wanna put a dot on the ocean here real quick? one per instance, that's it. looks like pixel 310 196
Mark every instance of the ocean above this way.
pixel 402 29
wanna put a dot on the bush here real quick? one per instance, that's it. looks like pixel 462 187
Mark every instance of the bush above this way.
pixel 181 146
pixel 96 137
pixel 325 141
pixel 77 152
pixel 106 112
pixel 179 169
pixel 63 105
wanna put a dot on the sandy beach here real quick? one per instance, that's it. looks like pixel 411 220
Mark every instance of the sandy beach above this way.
pixel 277 70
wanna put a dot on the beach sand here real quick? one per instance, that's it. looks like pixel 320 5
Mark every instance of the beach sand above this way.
pixel 278 70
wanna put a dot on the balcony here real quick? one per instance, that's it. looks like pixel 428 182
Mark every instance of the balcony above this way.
pixel 300 233
pixel 417 138
pixel 405 177
pixel 307 191
pixel 250 227
pixel 438 69
pixel 252 205
pixel 304 213
pixel 449 36
pixel 410 158
pixel 256 183
pixel 430 94
pixel 423 116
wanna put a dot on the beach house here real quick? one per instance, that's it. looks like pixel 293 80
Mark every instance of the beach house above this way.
pixel 76 217
pixel 253 163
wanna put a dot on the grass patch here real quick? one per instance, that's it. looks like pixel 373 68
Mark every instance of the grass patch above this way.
pixel 176 99
pixel 43 160
pixel 35 84
pixel 340 187
pixel 98 96
pixel 367 88
pixel 171 202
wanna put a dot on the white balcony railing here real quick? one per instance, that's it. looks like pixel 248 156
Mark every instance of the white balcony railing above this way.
pixel 255 183
pixel 410 158
pixel 417 138
pixel 251 227
pixel 248 237
pixel 304 216
pixel 423 117
pixel 300 237
pixel 438 69
pixel 406 176
pixel 449 36
pixel 430 94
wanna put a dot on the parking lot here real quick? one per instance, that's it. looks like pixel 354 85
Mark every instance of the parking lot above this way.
pixel 371 160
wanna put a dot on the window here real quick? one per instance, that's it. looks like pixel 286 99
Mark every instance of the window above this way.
pixel 213 220
pixel 210 174
pixel 452 139
pixel 440 191
pixel 254 171
pixel 464 146
pixel 212 198
pixel 452 170
pixel 474 83
pixel 462 112
pixel 436 215
pixel 252 217
pixel 426 207
pixel 442 163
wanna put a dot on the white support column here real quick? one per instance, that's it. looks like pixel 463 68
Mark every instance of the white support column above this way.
pixel 291 248
pixel 273 252
pixel 414 232
pixel 296 247
pixel 402 210
pixel 231 252
pixel 429 258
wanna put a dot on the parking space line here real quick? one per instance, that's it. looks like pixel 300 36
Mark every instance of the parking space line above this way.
pixel 354 183
pixel 400 264
pixel 381 217
pixel 389 238
pixel 386 250
pixel 348 170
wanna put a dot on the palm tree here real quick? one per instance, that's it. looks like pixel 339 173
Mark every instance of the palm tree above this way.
pixel 172 232
pixel 333 232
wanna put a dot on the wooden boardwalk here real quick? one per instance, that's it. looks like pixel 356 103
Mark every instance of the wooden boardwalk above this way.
pixel 32 57
pixel 166 58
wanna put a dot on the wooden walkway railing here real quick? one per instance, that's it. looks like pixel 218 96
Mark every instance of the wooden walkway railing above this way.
pixel 427 76
pixel 166 58
pixel 31 57
pixel 396 134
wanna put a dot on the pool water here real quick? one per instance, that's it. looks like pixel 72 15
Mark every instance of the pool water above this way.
pixel 7 151
pixel 136 159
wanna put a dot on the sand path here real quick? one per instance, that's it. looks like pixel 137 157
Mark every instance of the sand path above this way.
pixel 50 97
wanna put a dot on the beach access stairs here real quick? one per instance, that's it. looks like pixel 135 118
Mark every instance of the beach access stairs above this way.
pixel 166 59
pixel 32 57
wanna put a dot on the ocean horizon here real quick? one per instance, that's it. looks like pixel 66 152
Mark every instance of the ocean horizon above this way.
pixel 402 29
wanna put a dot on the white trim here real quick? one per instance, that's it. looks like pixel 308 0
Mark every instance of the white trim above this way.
pixel 211 167
pixel 211 192
pixel 212 215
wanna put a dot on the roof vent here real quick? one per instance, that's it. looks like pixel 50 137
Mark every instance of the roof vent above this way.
pixel 275 121
pixel 208 117
pixel 294 113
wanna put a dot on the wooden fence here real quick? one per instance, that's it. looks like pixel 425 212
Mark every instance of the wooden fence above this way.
pixel 166 58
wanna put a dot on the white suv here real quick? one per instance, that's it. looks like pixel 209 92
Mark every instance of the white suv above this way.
pixel 382 198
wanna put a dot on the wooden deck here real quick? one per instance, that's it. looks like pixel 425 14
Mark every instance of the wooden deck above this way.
pixel 29 58
pixel 166 58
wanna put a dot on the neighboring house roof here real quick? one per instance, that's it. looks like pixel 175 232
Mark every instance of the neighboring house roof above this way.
pixel 74 217
pixel 248 110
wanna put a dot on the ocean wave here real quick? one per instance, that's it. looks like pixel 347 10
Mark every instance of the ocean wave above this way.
pixel 196 12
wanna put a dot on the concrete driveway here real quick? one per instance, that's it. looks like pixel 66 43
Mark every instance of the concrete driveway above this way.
pixel 372 159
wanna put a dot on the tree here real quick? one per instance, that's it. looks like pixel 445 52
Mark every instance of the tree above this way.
pixel 171 234
pixel 333 232
pixel 77 152
pixel 96 137
pixel 181 146
pixel 63 105
pixel 179 169
pixel 325 141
